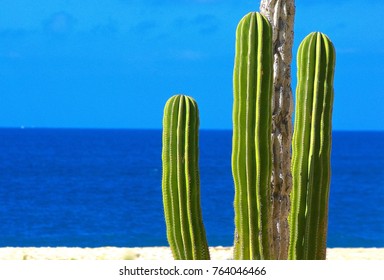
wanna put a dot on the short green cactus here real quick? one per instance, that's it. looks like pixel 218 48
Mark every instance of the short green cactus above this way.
pixel 251 151
pixel 311 148
pixel 181 180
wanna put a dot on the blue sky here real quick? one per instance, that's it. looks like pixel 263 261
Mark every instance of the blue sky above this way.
pixel 114 63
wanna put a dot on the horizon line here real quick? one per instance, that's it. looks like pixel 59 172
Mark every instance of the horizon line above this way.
pixel 149 128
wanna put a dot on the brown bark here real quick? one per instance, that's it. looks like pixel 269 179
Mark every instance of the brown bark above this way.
pixel 281 14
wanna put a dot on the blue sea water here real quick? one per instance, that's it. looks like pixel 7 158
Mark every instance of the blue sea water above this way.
pixel 90 188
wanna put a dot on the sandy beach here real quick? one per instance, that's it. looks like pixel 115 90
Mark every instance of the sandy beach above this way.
pixel 155 253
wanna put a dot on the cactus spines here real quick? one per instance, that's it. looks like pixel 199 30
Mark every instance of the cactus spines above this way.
pixel 251 152
pixel 181 181
pixel 311 148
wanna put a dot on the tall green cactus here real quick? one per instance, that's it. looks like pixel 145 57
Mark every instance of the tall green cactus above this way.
pixel 311 148
pixel 181 180
pixel 251 151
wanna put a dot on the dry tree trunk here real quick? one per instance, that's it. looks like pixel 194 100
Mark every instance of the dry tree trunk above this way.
pixel 281 14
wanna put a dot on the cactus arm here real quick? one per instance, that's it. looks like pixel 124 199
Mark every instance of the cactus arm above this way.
pixel 326 142
pixel 183 186
pixel 315 234
pixel 196 227
pixel 300 144
pixel 311 148
pixel 169 180
pixel 251 156
pixel 263 133
pixel 240 203
pixel 315 171
pixel 181 182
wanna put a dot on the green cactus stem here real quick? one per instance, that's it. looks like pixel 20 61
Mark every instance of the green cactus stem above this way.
pixel 311 148
pixel 251 152
pixel 181 180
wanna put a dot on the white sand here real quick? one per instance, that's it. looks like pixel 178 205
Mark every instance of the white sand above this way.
pixel 156 253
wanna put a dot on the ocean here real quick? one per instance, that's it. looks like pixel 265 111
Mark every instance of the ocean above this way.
pixel 91 188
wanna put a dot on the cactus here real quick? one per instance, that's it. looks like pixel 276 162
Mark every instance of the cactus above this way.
pixel 251 151
pixel 252 154
pixel 181 181
pixel 311 148
pixel 280 14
